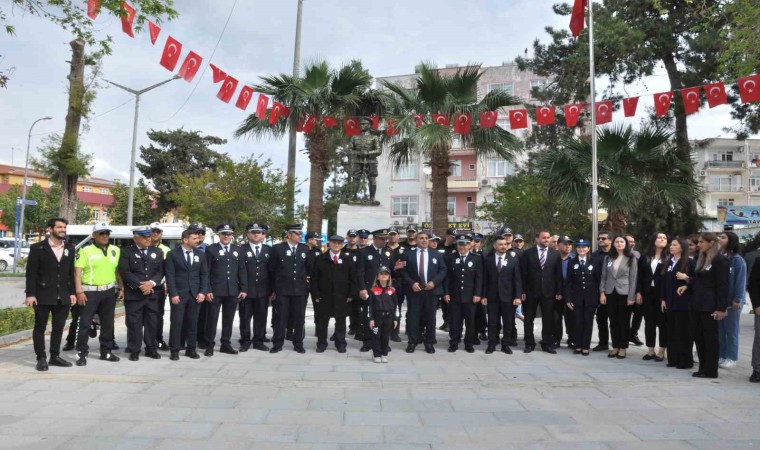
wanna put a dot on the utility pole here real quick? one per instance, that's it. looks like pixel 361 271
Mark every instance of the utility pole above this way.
pixel 291 200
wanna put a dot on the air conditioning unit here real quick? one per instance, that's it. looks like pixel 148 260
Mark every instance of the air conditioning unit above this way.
pixel 411 219
pixel 740 149
pixel 396 223
pixel 702 173
pixel 484 182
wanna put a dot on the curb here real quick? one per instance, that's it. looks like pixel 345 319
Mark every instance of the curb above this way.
pixel 25 335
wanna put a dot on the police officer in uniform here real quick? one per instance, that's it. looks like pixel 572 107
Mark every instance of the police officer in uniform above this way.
pixel 228 284
pixel 502 293
pixel 289 269
pixel 157 232
pixel 463 290
pixel 582 295
pixel 448 249
pixel 363 238
pixel 370 259
pixel 411 238
pixel 97 282
pixel 141 267
pixel 255 306
pixel 314 242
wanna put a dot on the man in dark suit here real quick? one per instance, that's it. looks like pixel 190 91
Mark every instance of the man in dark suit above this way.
pixel 50 290
pixel 463 288
pixel 502 293
pixel 541 269
pixel 228 284
pixel 255 306
pixel 187 283
pixel 141 266
pixel 371 258
pixel 289 268
pixel 423 275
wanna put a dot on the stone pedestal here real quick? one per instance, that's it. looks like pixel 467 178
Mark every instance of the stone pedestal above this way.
pixel 360 216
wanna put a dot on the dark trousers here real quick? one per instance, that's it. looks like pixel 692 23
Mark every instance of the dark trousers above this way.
pixel 569 324
pixel 253 310
pixel 421 308
pixel 530 309
pixel 59 313
pixel 680 339
pixel 459 312
pixel 71 337
pixel 201 321
pixel 620 319
pixel 141 318
pixel 655 320
pixel 102 303
pixel 323 321
pixel 501 315
pixel 381 334
pixel 355 315
pixel 401 296
pixel 228 307
pixel 364 324
pixel 637 314
pixel 161 306
pixel 184 316
pixel 481 320
pixel 583 325
pixel 558 315
pixel 706 339
pixel 445 312
pixel 289 308
pixel 603 325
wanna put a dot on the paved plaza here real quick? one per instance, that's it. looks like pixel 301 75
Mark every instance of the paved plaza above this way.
pixel 331 400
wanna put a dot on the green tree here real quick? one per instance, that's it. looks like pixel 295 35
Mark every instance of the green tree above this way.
pixel 524 203
pixel 48 202
pixel 143 213
pixel 437 93
pixel 637 169
pixel 177 153
pixel 321 91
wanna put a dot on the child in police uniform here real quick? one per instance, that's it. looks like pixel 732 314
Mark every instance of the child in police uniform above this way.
pixel 382 313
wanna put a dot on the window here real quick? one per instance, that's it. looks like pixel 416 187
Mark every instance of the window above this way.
pixel 725 202
pixel 452 206
pixel 409 171
pixel 104 191
pixel 96 214
pixel 720 183
pixel 727 156
pixel 504 87
pixel 538 83
pixel 405 206
pixel 497 168
pixel 471 166
pixel 4 179
pixel 469 199
pixel 456 168
pixel 86 189
pixel 754 183
pixel 456 142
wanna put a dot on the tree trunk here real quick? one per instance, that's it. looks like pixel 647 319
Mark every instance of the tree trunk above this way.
pixel 440 171
pixel 319 167
pixel 616 222
pixel 70 141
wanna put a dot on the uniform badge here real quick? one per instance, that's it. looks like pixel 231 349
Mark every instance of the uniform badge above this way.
pixel 512 254
pixel 670 269
pixel 590 267
pixel 113 252
pixel 354 258
pixel 65 252
pixel 249 254
pixel 369 257
pixel 609 264
pixel 303 255
pixel 235 253
pixel 340 261
pixel 708 267
pixel 77 256
pixel 388 254
pixel 435 261
pixel 195 258
pixel 575 266
pixel 401 249
pixel 221 252
pixel 153 255
pixel 457 261
pixel 287 253
pixel 469 264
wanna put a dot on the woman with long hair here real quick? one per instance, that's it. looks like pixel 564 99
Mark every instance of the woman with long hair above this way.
pixel 648 295
pixel 618 292
pixel 676 297
pixel 709 302
pixel 692 240
pixel 728 328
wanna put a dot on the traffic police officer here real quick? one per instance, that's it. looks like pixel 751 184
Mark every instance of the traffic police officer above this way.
pixel 463 289
pixel 581 295
pixel 255 305
pixel 228 284
pixel 156 233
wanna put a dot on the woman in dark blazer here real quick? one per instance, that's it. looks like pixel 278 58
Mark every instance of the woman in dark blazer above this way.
pixel 676 298
pixel 618 292
pixel 710 302
pixel 648 295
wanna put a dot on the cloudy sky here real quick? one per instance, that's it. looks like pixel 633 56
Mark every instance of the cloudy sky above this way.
pixel 390 37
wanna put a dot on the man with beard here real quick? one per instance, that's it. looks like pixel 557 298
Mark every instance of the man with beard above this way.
pixel 502 293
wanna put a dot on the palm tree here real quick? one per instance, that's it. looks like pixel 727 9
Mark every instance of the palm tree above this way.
pixel 321 91
pixel 438 93
pixel 636 170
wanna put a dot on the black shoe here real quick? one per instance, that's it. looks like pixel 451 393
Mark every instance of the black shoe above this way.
pixel 453 348
pixel 227 349
pixel 549 349
pixel 321 349
pixel 506 349
pixel 152 354
pixel 209 352
pixel 490 349
pixel 114 346
pixel 275 350
pixel 174 356
pixel 299 349
pixel 58 361
pixel 134 356
pixel 429 348
pixel 410 348
pixel 162 346
pixel 702 375
pixel 42 365
pixel 576 351
pixel 395 337
pixel 444 327
pixel 82 361
pixel 261 347
pixel 110 357
pixel 469 349
pixel 635 341
pixel 244 347
pixel 483 337
pixel 68 347
pixel 192 354
pixel 658 359
pixel 202 345
pixel 342 349
pixel 529 348
pixel 755 378
pixel 365 348
pixel 647 357
pixel 601 348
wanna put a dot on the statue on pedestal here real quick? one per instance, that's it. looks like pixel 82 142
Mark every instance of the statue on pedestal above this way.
pixel 363 151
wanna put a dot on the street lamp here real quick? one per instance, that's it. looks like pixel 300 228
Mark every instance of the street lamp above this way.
pixel 137 94
pixel 292 131
pixel 20 229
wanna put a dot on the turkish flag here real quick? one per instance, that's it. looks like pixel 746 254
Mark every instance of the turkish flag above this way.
pixel 629 106
pixel 217 73
pixel 603 112
pixel 227 90
pixel 93 8
pixel 155 30
pixel 330 121
pixel 662 103
pixel 578 17
pixel 749 88
pixel 261 107
pixel 488 119
pixel 284 111
pixel 190 67
pixel 128 19
pixel 351 126
pixel 307 124
pixel 390 127
pixel 518 118
pixel 277 111
pixel 572 114
pixel 716 94
pixel 170 56
pixel 545 115
pixel 690 97
pixel 441 119
pixel 417 120
pixel 375 122
pixel 462 122
pixel 246 92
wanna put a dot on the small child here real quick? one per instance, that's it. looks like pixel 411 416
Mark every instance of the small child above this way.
pixel 382 313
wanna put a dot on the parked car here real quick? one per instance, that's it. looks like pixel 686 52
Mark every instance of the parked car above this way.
pixel 9 243
pixel 6 260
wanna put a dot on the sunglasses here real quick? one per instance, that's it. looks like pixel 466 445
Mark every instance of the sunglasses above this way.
pixel 104 233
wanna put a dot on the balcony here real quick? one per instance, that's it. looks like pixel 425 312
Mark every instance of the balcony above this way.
pixel 724 164
pixel 458 185
pixel 754 190
pixel 724 188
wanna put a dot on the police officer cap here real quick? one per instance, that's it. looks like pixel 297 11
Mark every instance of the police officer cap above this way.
pixel 197 228
pixel 381 233
pixel 435 237
pixel 518 237
pixel 477 237
pixel 364 234
pixel 100 226
pixel 156 226
pixel 566 240
pixel 141 230
pixel 256 227
pixel 383 269
pixel 464 239
pixel 411 228
pixel 392 230
pixel 505 230
pixel 224 228
pixel 582 242
pixel 352 233
pixel 295 228
pixel 336 238
pixel 451 232
pixel 314 235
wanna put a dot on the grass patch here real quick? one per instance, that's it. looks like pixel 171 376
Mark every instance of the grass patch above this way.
pixel 13 320
pixel 10 274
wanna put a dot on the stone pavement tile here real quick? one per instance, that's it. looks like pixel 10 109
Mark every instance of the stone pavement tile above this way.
pixel 192 401
pixel 172 387
pixel 590 433
pixel 535 418
pixel 14 395
pixel 585 393
pixel 257 432
pixel 500 436
pixel 53 427
pixel 623 404
pixel 210 444
pixel 631 389
pixel 414 405
pixel 323 418
pixel 662 432
pixel 363 368
pixel 267 376
pixel 173 430
pixel 58 410
pixel 742 431
pixel 617 376
pixel 692 416
pixel 454 435
pixel 148 413
pixel 31 442
pixel 331 376
pixel 737 415
pixel 391 377
pixel 653 445
pixel 744 397
pixel 463 377
pixel 592 416
pixel 443 419
pixel 116 387
pixel 309 393
pixel 305 368
pixel 131 399
pixel 445 394
pixel 486 405
pixel 272 403
pixel 227 373
pixel 362 404
pixel 51 385
pixel 508 393
pixel 562 405
pixel 723 444
pixel 244 390
pixel 385 393
pixel 340 435
pixel 687 402
pixel 72 397
pixel 259 445
pixel 383 418
pixel 560 376
pixel 20 408
pixel 237 415
pixel 378 446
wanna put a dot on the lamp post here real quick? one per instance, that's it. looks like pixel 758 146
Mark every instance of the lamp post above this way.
pixel 20 229
pixel 292 131
pixel 137 94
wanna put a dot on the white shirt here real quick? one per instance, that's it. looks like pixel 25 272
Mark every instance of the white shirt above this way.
pixel 653 264
pixel 502 257
pixel 254 247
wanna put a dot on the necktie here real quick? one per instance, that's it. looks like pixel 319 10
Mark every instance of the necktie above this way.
pixel 422 268
pixel 144 253
pixel 293 251
pixel 335 259
pixel 226 250
pixel 257 252
pixel 542 258
pixel 498 265
pixel 187 258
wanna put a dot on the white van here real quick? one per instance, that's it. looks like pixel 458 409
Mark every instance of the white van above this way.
pixel 121 235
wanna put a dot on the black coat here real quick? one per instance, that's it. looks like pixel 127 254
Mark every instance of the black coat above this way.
pixel 436 271
pixel 370 260
pixel 711 286
pixel 546 282
pixel 134 268
pixel 257 271
pixel 184 281
pixel 581 288
pixel 288 272
pixel 645 277
pixel 382 300
pixel 670 284
pixel 332 284
pixel 464 277
pixel 504 285
pixel 48 279
pixel 754 285
pixel 227 275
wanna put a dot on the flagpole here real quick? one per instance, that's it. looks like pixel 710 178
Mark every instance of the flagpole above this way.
pixel 594 175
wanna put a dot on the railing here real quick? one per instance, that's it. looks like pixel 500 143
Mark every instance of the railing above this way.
pixel 724 188
pixel 724 164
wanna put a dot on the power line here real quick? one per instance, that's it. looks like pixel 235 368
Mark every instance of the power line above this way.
pixel 131 99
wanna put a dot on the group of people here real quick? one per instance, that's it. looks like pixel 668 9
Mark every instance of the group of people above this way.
pixel 687 291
